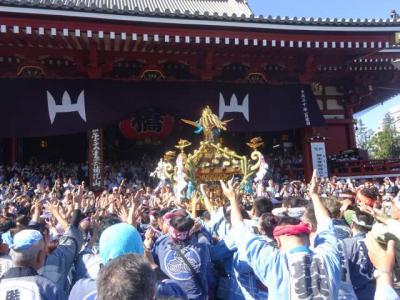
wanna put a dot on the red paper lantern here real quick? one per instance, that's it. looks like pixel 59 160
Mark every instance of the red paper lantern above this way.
pixel 148 124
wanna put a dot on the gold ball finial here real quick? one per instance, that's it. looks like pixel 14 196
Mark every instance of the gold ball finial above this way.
pixel 255 143
pixel 182 144
pixel 169 155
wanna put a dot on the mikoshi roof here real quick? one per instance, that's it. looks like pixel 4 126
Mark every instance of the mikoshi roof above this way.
pixel 222 10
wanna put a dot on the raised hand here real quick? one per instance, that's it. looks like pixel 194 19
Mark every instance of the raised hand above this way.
pixel 138 195
pixel 123 213
pixel 37 205
pixel 52 207
pixel 229 189
pixel 382 259
pixel 314 183
pixel 203 189
pixel 37 210
pixel 367 209
pixel 77 197
pixel 230 192
pixel 149 238
pixel 345 204
pixel 121 186
pixel 196 198
pixel 197 225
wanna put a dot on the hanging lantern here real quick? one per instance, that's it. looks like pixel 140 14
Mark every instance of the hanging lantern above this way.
pixel 43 144
pixel 148 126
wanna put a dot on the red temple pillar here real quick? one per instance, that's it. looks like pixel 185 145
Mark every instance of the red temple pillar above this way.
pixel 351 133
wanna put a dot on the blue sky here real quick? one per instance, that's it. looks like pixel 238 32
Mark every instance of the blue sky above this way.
pixel 339 9
pixel 325 8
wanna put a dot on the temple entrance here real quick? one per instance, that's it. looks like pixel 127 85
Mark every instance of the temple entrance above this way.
pixel 282 148
pixel 67 148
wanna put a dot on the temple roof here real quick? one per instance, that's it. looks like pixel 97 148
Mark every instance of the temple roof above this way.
pixel 151 7
pixel 235 13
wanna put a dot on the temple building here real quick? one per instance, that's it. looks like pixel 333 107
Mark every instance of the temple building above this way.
pixel 69 66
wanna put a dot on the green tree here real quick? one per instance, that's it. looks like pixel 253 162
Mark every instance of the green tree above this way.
pixel 386 142
pixel 363 136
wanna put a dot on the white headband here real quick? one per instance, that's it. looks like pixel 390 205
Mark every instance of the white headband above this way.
pixel 360 223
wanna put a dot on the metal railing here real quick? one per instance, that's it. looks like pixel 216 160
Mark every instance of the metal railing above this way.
pixel 366 168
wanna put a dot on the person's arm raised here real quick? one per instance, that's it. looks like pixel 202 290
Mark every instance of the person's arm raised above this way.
pixel 383 261
pixel 148 245
pixel 255 251
pixel 321 213
pixel 53 208
pixel 195 202
pixel 36 212
pixel 209 207
pixel 229 191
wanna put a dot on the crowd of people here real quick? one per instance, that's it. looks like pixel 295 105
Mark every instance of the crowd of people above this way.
pixel 286 166
pixel 288 239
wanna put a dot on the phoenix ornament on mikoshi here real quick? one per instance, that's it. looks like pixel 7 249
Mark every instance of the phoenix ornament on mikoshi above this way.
pixel 209 124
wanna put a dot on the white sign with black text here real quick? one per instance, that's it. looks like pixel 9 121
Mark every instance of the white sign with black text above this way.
pixel 319 161
pixel 96 162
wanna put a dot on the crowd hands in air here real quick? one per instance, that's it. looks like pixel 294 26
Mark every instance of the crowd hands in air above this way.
pixel 326 239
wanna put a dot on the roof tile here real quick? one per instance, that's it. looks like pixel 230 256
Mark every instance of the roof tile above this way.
pixel 230 10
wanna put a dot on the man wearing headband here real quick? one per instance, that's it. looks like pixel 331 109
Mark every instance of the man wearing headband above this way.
pixel 336 210
pixel 28 255
pixel 295 270
pixel 183 254
pixel 360 267
pixel 347 195
pixel 366 196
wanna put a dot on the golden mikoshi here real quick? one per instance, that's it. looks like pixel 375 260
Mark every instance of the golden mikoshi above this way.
pixel 210 161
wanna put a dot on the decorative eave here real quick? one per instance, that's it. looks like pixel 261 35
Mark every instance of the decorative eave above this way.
pixel 100 32
pixel 156 16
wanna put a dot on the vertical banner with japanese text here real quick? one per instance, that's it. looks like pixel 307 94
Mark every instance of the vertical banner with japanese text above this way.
pixel 95 159
pixel 319 160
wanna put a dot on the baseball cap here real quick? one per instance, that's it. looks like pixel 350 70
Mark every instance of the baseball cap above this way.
pixel 25 239
pixel 119 239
